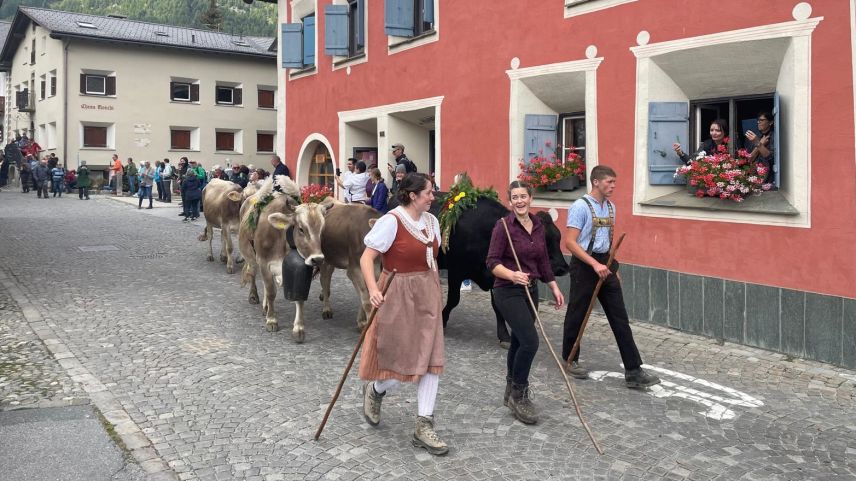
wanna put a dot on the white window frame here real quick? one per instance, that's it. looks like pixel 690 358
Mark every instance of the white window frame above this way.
pixel 517 117
pixel 52 78
pixel 299 10
pixel 51 135
pixel 231 92
pixel 111 134
pixel 798 171
pixel 103 78
pixel 574 8
pixel 340 62
pixel 396 44
pixel 179 99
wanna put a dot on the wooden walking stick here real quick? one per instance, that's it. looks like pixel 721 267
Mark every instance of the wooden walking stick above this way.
pixel 552 351
pixel 372 314
pixel 597 287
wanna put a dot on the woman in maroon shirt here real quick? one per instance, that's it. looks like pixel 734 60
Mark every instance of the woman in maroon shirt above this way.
pixel 509 291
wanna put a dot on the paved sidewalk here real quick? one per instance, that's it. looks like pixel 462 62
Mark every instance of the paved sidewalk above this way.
pixel 165 345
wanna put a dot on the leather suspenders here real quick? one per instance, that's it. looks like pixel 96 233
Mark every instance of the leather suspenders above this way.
pixel 599 223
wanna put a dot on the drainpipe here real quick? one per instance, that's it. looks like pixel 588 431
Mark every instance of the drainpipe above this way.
pixel 65 106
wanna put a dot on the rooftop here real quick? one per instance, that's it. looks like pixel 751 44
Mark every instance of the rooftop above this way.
pixel 96 27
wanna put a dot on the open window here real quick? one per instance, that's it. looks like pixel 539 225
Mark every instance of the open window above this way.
pixel 298 45
pixel 682 85
pixel 410 23
pixel 344 30
pixel 551 108
pixel 97 83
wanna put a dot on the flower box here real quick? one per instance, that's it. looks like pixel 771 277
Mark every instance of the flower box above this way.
pixel 720 175
pixel 566 184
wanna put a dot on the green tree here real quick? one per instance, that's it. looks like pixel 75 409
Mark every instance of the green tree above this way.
pixel 211 18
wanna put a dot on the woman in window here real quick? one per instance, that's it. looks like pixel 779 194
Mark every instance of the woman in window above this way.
pixel 718 132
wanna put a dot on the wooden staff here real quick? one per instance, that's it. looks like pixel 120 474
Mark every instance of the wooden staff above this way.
pixel 372 314
pixel 549 345
pixel 576 347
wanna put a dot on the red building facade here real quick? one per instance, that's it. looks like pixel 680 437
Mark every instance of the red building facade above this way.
pixel 478 86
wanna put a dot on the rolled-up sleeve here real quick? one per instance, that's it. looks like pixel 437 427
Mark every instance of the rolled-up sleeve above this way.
pixel 498 244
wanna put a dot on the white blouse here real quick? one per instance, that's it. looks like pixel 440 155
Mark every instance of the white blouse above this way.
pixel 383 233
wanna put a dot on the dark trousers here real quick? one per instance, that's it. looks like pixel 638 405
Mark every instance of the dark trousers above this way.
pixel 145 192
pixel 583 282
pixel 42 188
pixel 83 192
pixel 166 190
pixel 192 208
pixel 159 186
pixel 514 307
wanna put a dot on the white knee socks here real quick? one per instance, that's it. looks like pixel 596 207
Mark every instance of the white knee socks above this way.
pixel 386 385
pixel 426 393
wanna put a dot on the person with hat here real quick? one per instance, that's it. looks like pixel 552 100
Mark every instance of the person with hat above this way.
pixel 83 181
pixel 400 172
pixel 401 159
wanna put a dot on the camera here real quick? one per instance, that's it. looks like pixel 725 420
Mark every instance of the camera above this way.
pixel 338 172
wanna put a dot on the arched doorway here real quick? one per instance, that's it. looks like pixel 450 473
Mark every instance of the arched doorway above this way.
pixel 321 170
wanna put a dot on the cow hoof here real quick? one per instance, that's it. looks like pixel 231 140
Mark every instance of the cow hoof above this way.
pixel 327 314
pixel 253 299
pixel 298 336
pixel 210 258
pixel 239 260
pixel 272 326
pixel 202 238
pixel 223 258
pixel 505 344
pixel 230 270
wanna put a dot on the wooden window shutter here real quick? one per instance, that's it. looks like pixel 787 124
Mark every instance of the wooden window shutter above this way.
pixel 111 85
pixel 238 96
pixel 668 123
pixel 225 141
pixel 399 18
pixel 292 45
pixel 94 136
pixel 309 40
pixel 171 90
pixel 540 135
pixel 194 92
pixel 336 30
pixel 83 83
pixel 53 85
pixel 266 99
pixel 264 142
pixel 180 139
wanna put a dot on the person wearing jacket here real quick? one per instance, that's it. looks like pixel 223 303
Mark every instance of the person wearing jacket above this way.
pixel 26 176
pixel 83 181
pixel 41 177
pixel 192 188
pixel 131 173
pixel 57 178
pixel 380 193
pixel 147 178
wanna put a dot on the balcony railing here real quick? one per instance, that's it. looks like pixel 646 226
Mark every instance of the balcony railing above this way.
pixel 24 101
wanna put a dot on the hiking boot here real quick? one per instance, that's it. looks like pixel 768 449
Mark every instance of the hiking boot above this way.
pixel 521 405
pixel 426 437
pixel 638 378
pixel 371 404
pixel 576 371
pixel 507 391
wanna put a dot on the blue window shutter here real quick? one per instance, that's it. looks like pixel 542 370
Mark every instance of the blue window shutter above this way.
pixel 428 11
pixel 361 23
pixel 668 123
pixel 309 40
pixel 540 131
pixel 398 18
pixel 336 30
pixel 292 45
pixel 777 164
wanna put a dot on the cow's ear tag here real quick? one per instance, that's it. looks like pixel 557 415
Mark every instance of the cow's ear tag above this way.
pixel 280 225
pixel 254 200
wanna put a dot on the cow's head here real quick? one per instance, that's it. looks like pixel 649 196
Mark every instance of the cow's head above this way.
pixel 554 241
pixel 308 222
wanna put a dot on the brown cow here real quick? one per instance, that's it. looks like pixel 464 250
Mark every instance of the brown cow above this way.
pixel 342 244
pixel 222 200
pixel 265 247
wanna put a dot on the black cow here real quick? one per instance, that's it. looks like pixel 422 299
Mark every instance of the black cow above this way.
pixel 468 246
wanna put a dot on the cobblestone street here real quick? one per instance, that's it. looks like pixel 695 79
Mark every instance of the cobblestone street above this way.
pixel 105 304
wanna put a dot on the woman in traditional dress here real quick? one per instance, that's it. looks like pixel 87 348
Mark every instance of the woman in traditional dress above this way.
pixel 509 292
pixel 405 342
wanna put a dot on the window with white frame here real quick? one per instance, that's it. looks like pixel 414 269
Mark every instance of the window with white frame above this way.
pixel 51 135
pixel 580 7
pixel 97 83
pixel 298 37
pixel 551 108
pixel 344 29
pixel 43 87
pixel 228 141
pixel 680 90
pixel 183 89
pixel 52 81
pixel 228 94
pixel 184 138
pixel 97 135
pixel 411 23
